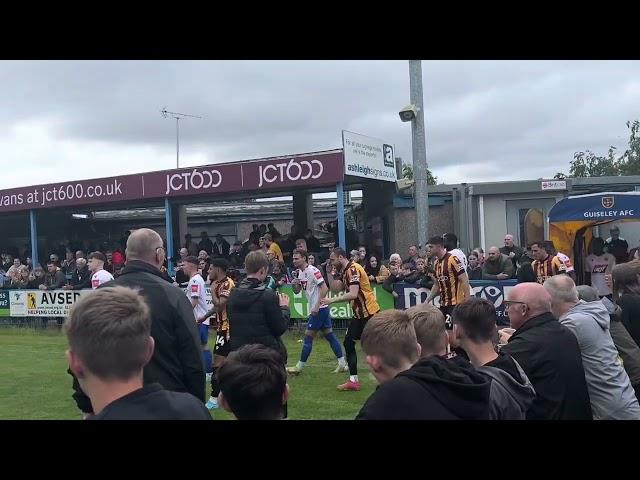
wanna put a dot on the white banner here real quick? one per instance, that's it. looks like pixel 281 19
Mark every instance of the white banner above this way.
pixel 368 157
pixel 52 303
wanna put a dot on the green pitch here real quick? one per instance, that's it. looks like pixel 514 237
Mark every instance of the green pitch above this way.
pixel 35 384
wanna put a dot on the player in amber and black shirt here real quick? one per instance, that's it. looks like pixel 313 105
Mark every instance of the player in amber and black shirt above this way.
pixel 355 282
pixel 544 265
pixel 451 279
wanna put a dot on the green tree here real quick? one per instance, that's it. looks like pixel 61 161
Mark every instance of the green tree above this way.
pixel 407 172
pixel 588 164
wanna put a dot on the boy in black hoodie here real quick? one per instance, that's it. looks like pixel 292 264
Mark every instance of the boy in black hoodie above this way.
pixel 433 389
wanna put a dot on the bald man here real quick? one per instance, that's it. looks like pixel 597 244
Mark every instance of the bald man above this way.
pixel 497 266
pixel 511 250
pixel 610 391
pixel 548 353
pixel 176 363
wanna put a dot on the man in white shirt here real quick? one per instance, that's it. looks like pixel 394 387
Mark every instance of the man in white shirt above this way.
pixel 197 295
pixel 451 244
pixel 98 274
pixel 309 279
pixel 599 264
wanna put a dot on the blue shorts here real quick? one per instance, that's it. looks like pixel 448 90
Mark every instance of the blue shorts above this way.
pixel 203 330
pixel 321 321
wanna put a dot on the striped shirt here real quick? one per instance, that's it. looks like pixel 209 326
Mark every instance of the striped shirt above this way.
pixel 448 272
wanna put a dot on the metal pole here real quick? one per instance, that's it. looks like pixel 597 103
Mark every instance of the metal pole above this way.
pixel 419 151
pixel 169 233
pixel 177 143
pixel 341 222
pixel 34 237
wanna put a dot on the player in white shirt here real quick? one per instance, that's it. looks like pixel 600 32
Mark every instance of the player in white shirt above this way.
pixel 197 295
pixel 309 279
pixel 451 244
pixel 600 264
pixel 98 274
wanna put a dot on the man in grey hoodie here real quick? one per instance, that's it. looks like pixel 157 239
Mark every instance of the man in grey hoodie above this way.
pixel 474 326
pixel 610 391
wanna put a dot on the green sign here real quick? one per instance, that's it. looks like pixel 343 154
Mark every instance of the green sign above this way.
pixel 300 307
pixel 4 304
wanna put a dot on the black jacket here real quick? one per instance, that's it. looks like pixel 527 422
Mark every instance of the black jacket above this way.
pixel 549 354
pixel 206 245
pixel 177 360
pixel 255 316
pixel 152 402
pixel 54 280
pixel 630 305
pixel 475 274
pixel 433 389
pixel 222 250
pixel 236 259
pixel 81 279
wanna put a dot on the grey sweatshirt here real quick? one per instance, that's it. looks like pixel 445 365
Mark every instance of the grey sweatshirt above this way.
pixel 610 391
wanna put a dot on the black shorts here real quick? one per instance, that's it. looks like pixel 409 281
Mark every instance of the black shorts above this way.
pixel 356 326
pixel 222 344
pixel 447 311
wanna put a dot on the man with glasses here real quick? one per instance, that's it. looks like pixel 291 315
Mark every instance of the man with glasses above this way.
pixel 548 353
pixel 177 360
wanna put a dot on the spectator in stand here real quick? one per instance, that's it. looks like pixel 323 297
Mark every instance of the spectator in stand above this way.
pixel 474 270
pixel 312 260
pixel 181 278
pixel 21 279
pixel 7 262
pixel 253 384
pixel 634 254
pixel 190 245
pixel 394 277
pixel 376 271
pixel 110 343
pixel 548 353
pixel 617 246
pixel 29 263
pixel 413 256
pixel 396 259
pixel 414 388
pixel 474 326
pixel 14 271
pixel 610 392
pixel 480 254
pixel 80 277
pixel 204 256
pixel 273 246
pixel 236 257
pixel 301 244
pixel 68 264
pixel 203 269
pixel 451 244
pixel 205 243
pixel 497 266
pixel 80 254
pixel 221 247
pixel 279 275
pixel 118 269
pixel 512 251
pixel 525 271
pixel 313 243
pixel 108 264
pixel 354 256
pixel 118 255
pixel 626 293
pixel 362 255
pixel 272 230
pixel 55 259
pixel 36 278
pixel 54 279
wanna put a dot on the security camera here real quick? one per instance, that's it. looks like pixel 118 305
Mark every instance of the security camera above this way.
pixel 408 113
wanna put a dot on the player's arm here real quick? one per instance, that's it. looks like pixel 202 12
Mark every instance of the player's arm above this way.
pixel 463 280
pixel 324 290
pixel 435 291
pixel 352 294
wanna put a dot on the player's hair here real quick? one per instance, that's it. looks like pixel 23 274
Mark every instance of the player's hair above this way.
pixel 253 380
pixel 98 256
pixel 193 260
pixel 109 331
pixel 220 263
pixel 436 241
pixel 255 261
pixel 391 336
pixel 340 252
pixel 302 253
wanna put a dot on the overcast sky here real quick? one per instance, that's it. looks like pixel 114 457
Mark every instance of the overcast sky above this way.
pixel 485 120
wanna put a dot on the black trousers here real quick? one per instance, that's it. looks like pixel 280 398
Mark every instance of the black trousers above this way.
pixel 354 332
